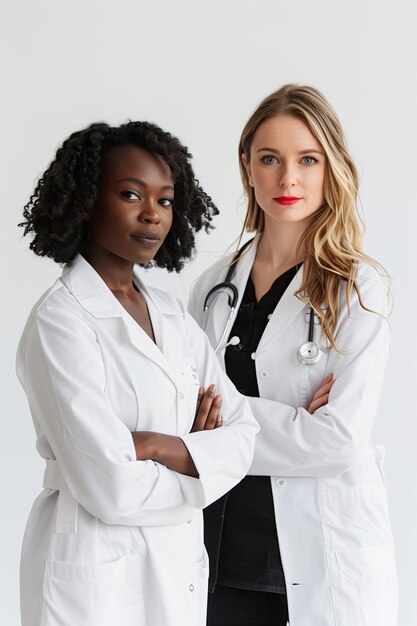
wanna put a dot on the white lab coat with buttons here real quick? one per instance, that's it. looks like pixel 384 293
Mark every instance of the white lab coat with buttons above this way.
pixel 111 540
pixel 326 474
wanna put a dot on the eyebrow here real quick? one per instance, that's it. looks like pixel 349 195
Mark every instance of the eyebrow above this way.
pixel 312 151
pixel 142 183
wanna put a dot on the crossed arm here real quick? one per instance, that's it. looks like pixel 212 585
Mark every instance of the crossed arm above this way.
pixel 172 452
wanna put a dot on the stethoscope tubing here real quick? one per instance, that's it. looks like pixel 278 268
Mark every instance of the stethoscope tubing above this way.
pixel 309 353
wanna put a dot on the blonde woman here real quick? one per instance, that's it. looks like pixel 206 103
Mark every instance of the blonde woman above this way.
pixel 305 537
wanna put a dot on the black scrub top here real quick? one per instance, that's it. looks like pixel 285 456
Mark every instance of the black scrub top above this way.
pixel 248 555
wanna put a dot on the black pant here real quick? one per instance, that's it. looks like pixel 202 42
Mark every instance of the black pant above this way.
pixel 228 606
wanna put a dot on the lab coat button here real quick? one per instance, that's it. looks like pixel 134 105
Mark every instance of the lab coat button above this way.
pixel 280 482
pixel 188 521
pixel 181 395
pixel 191 587
pixel 253 356
pixel 264 374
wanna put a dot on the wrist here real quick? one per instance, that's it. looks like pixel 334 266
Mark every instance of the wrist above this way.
pixel 145 445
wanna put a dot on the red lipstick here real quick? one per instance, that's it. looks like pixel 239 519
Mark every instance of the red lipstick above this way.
pixel 286 200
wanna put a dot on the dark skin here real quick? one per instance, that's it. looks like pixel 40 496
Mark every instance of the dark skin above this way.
pixel 133 216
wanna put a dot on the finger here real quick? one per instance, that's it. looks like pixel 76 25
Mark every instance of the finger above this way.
pixel 319 400
pixel 200 395
pixel 328 378
pixel 219 421
pixel 204 408
pixel 316 404
pixel 213 413
pixel 323 389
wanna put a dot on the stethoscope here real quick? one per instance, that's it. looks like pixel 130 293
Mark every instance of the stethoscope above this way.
pixel 309 353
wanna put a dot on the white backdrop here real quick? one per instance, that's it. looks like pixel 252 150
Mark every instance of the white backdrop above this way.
pixel 198 68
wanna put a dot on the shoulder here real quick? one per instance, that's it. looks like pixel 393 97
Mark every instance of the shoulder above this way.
pixel 372 289
pixel 56 297
pixel 373 279
pixel 367 273
pixel 210 277
pixel 56 305
pixel 200 288
pixel 215 271
pixel 55 311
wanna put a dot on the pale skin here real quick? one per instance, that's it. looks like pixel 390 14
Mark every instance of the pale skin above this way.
pixel 286 160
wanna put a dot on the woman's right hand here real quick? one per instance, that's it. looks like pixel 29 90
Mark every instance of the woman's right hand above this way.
pixel 207 415
pixel 321 397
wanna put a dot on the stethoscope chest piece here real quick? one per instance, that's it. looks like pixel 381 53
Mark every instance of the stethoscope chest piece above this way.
pixel 309 353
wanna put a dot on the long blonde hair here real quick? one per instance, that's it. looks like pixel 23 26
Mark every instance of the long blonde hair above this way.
pixel 333 241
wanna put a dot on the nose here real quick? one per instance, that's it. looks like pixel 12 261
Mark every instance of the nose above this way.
pixel 288 177
pixel 149 213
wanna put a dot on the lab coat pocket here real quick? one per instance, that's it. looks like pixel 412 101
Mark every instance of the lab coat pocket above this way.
pixel 354 517
pixel 93 594
pixel 364 586
pixel 370 563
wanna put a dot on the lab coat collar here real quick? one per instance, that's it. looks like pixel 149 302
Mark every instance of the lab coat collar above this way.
pixel 287 308
pixel 92 293
pixel 87 286
pixel 90 290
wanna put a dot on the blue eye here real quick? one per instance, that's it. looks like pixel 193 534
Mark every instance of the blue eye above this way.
pixel 269 160
pixel 309 160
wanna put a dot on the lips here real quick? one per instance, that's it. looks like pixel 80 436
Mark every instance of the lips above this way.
pixel 149 239
pixel 287 200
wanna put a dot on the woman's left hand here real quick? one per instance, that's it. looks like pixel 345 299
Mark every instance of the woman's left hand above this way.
pixel 321 397
pixel 207 414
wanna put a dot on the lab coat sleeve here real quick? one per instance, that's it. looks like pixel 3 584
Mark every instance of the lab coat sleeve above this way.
pixel 222 456
pixel 64 378
pixel 293 442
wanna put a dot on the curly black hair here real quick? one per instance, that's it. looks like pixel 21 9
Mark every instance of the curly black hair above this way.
pixel 66 193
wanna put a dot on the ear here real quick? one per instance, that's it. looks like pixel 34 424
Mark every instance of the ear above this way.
pixel 246 165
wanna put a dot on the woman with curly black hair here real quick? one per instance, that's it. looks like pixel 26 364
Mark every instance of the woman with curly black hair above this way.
pixel 112 371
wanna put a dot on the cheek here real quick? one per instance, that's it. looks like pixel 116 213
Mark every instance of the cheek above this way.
pixel 167 218
pixel 315 182
pixel 263 180
pixel 108 221
pixel 111 212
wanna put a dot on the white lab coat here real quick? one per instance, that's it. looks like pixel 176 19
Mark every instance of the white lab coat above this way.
pixel 326 474
pixel 111 540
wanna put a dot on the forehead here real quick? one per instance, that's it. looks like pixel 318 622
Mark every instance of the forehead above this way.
pixel 285 132
pixel 132 161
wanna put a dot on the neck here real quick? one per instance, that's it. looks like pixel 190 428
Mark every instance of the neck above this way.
pixel 278 246
pixel 116 272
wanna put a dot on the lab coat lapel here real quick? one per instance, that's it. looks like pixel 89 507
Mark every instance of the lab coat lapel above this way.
pixel 287 308
pixel 87 286
pixel 220 309
pixel 168 348
pixel 143 343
